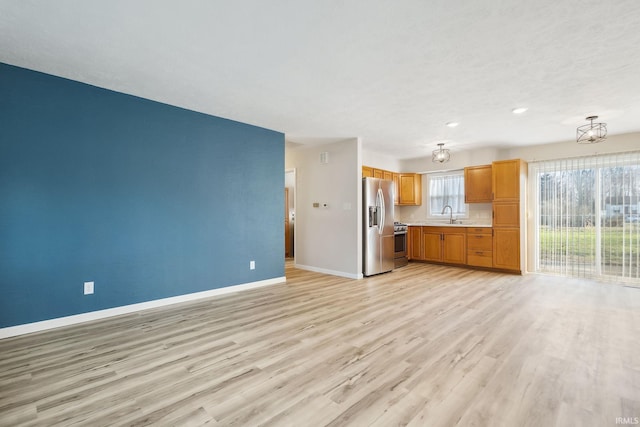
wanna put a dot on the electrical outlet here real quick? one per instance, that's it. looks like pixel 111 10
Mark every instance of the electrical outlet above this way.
pixel 88 288
pixel 252 265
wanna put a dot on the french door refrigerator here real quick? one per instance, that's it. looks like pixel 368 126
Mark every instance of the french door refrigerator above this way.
pixel 378 225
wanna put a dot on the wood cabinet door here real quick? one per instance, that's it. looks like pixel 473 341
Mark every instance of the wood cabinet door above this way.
pixel 506 248
pixel 396 188
pixel 387 175
pixel 432 245
pixel 506 214
pixel 454 247
pixel 477 184
pixel 410 185
pixel 506 180
pixel 414 243
pixel 378 173
pixel 367 172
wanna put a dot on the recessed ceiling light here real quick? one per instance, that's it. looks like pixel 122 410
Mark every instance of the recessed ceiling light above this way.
pixel 452 124
pixel 519 110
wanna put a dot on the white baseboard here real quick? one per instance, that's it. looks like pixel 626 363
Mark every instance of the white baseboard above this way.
pixel 28 328
pixel 332 272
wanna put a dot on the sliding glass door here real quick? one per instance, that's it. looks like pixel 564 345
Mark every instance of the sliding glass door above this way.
pixel 620 203
pixel 588 216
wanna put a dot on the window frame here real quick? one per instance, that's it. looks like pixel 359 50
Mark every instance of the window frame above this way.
pixel 439 216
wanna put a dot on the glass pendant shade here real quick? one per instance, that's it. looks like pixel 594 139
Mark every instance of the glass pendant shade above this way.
pixel 441 155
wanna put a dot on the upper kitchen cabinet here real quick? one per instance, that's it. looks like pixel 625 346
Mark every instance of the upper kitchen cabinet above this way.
pixel 408 186
pixel 409 189
pixel 506 176
pixel 396 186
pixel 367 172
pixel 477 184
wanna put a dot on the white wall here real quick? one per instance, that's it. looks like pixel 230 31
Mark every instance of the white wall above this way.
pixel 328 240
pixel 380 161
pixel 560 150
pixel 556 150
pixel 459 160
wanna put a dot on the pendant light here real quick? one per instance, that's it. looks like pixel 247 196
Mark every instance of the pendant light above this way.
pixel 591 133
pixel 440 155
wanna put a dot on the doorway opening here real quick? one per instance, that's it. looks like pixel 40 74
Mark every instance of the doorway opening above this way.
pixel 289 213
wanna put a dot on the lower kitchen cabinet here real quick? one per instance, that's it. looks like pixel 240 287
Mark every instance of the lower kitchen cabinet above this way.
pixel 431 244
pixel 497 248
pixel 506 248
pixel 444 244
pixel 454 249
pixel 480 247
pixel 414 243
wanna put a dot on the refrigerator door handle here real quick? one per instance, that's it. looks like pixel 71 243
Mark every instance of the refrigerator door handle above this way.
pixel 381 204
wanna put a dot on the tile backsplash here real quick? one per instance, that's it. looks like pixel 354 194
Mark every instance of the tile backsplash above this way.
pixel 478 212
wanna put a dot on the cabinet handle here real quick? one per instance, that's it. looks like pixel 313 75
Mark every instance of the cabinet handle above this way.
pixel 478 253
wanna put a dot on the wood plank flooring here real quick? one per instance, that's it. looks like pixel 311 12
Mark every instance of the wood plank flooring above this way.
pixel 425 345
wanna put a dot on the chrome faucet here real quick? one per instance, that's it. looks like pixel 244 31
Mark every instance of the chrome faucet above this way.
pixel 451 220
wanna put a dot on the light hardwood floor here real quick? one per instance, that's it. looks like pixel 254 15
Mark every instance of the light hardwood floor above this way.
pixel 425 345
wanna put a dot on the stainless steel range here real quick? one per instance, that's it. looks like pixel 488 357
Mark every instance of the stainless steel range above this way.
pixel 400 244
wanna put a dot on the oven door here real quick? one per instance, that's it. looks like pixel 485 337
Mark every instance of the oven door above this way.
pixel 400 249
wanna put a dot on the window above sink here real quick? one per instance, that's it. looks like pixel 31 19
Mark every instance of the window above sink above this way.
pixel 446 189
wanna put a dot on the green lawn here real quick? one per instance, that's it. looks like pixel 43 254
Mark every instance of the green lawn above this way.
pixel 579 244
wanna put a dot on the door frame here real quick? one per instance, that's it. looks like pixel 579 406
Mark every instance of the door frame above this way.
pixel 293 194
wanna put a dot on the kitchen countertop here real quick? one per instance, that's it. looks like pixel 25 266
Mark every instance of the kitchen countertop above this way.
pixel 463 223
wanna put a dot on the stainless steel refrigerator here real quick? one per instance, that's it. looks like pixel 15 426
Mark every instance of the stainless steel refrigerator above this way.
pixel 378 225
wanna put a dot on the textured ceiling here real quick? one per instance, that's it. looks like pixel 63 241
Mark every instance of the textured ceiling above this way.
pixel 390 72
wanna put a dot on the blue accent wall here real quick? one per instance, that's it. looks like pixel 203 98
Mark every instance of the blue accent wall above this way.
pixel 145 199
